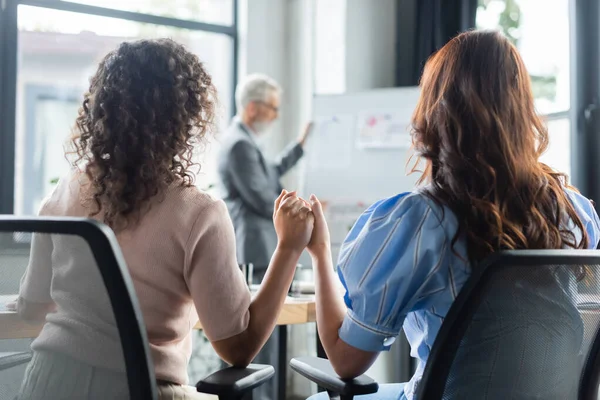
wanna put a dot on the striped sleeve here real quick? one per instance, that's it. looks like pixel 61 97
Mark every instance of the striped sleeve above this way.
pixel 586 212
pixel 390 257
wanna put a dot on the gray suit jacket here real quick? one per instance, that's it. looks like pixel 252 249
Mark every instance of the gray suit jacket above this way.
pixel 250 186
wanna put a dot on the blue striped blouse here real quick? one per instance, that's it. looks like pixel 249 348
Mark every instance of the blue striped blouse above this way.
pixel 399 271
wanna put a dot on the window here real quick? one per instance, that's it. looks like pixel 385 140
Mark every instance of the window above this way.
pixel 210 11
pixel 48 114
pixel 558 155
pixel 543 41
pixel 59 50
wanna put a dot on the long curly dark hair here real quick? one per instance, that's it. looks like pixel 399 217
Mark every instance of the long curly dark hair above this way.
pixel 477 127
pixel 148 105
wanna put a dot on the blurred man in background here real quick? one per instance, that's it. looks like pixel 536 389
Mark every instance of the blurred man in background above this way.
pixel 250 185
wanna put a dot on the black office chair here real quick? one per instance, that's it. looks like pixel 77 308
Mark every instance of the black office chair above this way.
pixel 122 343
pixel 524 326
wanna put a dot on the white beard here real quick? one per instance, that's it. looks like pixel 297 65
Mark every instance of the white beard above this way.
pixel 262 128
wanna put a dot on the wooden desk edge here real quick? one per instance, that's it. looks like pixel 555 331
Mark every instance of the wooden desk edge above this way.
pixel 293 313
pixel 13 327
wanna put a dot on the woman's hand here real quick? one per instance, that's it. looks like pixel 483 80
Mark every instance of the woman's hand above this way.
pixel 293 221
pixel 320 240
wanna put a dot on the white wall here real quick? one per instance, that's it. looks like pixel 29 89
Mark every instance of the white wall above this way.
pixel 370 44
pixel 262 35
pixel 299 67
pixel 276 39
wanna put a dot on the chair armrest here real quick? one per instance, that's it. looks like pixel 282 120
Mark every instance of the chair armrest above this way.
pixel 12 359
pixel 234 381
pixel 320 371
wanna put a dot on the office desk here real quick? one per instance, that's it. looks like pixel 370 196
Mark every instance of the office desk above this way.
pixel 294 311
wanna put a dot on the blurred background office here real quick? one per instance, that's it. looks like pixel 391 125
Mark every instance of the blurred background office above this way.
pixel 311 47
pixel 317 50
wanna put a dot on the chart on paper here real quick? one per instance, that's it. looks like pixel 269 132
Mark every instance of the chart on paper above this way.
pixel 332 142
pixel 383 129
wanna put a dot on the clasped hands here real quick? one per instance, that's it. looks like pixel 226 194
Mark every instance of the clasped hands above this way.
pixel 300 223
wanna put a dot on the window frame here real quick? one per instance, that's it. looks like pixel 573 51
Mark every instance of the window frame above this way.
pixel 9 70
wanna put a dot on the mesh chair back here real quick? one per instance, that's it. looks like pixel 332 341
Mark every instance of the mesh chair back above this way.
pixel 77 315
pixel 523 327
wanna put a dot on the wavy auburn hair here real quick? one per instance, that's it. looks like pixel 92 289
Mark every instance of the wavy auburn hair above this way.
pixel 147 106
pixel 476 126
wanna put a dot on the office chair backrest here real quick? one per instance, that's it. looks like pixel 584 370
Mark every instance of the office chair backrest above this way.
pixel 93 336
pixel 523 327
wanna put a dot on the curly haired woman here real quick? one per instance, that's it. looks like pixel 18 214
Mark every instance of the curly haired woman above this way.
pixel 149 104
